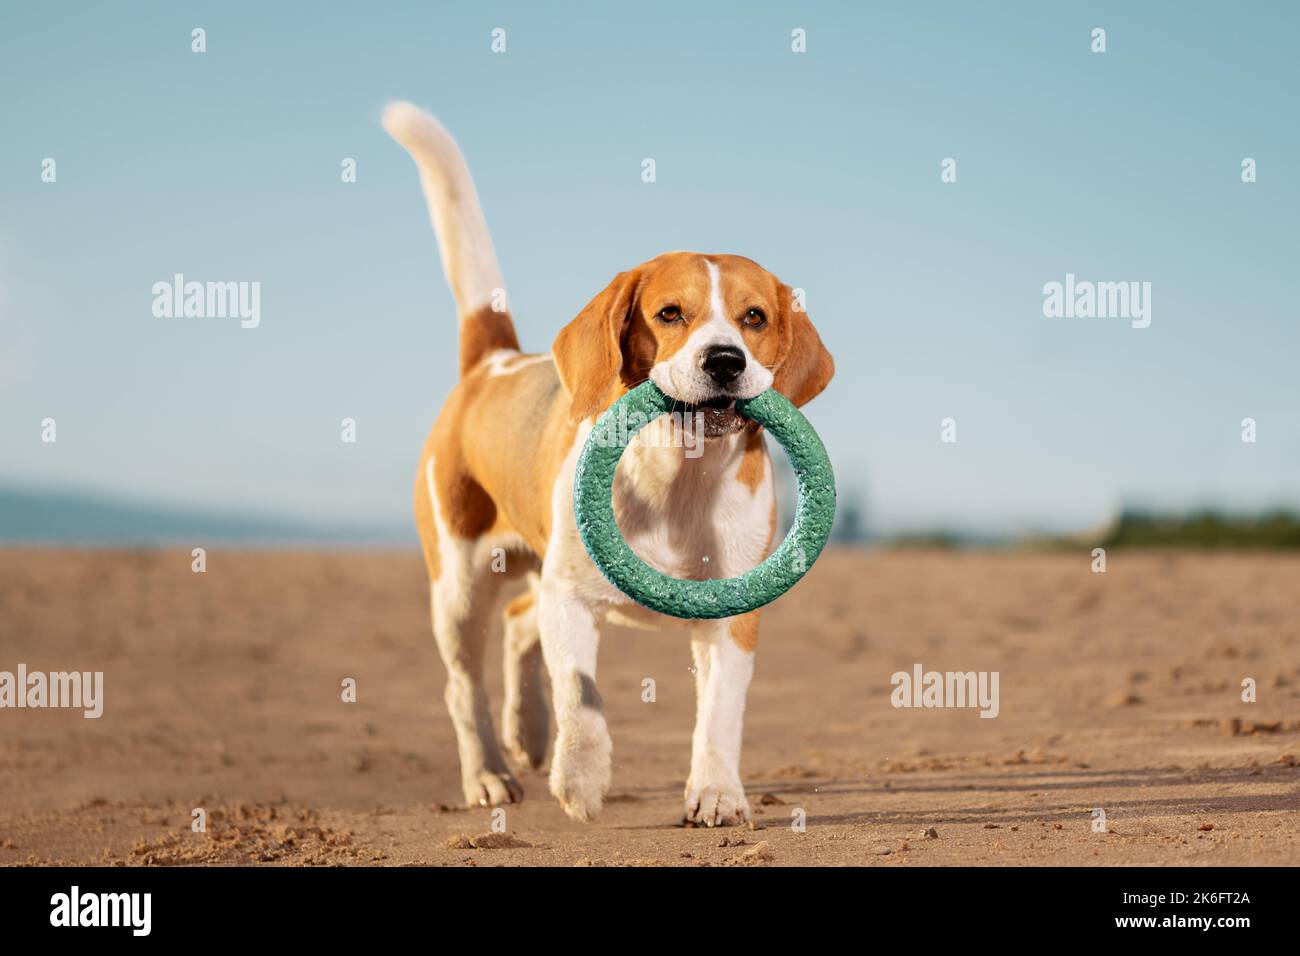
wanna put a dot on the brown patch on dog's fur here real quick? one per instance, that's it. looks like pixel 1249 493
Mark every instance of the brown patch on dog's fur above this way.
pixel 589 350
pixel 522 604
pixel 806 366
pixel 753 462
pixel 744 630
pixel 475 512
pixel 498 447
pixel 483 332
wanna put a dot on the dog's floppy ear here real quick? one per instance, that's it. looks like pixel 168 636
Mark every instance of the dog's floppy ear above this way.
pixel 588 351
pixel 807 367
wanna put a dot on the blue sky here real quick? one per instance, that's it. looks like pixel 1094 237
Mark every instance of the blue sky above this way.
pixel 823 166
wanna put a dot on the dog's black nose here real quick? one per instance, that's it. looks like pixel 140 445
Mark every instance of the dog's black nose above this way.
pixel 723 363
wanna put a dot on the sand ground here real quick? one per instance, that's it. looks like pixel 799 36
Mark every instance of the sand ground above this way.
pixel 1119 691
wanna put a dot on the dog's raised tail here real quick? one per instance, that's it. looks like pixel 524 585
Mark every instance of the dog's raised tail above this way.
pixel 468 258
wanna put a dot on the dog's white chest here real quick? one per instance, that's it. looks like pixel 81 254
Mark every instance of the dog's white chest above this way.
pixel 692 518
pixel 687 517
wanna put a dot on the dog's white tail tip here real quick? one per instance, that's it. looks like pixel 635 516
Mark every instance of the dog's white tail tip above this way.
pixel 463 239
pixel 408 124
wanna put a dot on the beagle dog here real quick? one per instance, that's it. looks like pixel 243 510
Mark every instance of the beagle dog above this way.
pixel 494 495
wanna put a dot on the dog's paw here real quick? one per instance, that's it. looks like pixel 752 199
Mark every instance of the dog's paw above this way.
pixel 581 799
pixel 580 777
pixel 489 789
pixel 716 804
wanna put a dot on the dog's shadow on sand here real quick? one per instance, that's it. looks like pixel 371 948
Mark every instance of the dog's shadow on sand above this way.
pixel 1071 787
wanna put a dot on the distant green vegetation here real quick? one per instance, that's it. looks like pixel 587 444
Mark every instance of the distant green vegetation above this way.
pixel 1203 529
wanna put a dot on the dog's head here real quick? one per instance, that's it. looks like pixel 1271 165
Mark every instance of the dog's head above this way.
pixel 707 329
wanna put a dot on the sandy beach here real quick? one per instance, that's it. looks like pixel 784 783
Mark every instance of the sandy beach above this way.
pixel 222 692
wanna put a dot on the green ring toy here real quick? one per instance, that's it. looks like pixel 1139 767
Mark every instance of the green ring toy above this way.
pixel 593 506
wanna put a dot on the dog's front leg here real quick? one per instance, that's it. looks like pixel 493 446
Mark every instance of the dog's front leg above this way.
pixel 724 662
pixel 580 765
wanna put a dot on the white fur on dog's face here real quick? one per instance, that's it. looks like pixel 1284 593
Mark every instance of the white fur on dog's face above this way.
pixel 681 376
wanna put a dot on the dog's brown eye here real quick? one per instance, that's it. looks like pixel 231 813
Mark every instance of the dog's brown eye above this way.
pixel 669 313
pixel 754 319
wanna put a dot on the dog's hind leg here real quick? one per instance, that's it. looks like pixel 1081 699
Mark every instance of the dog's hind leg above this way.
pixel 463 598
pixel 524 717
pixel 463 595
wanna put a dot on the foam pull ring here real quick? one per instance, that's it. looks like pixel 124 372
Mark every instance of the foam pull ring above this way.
pixel 593 506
